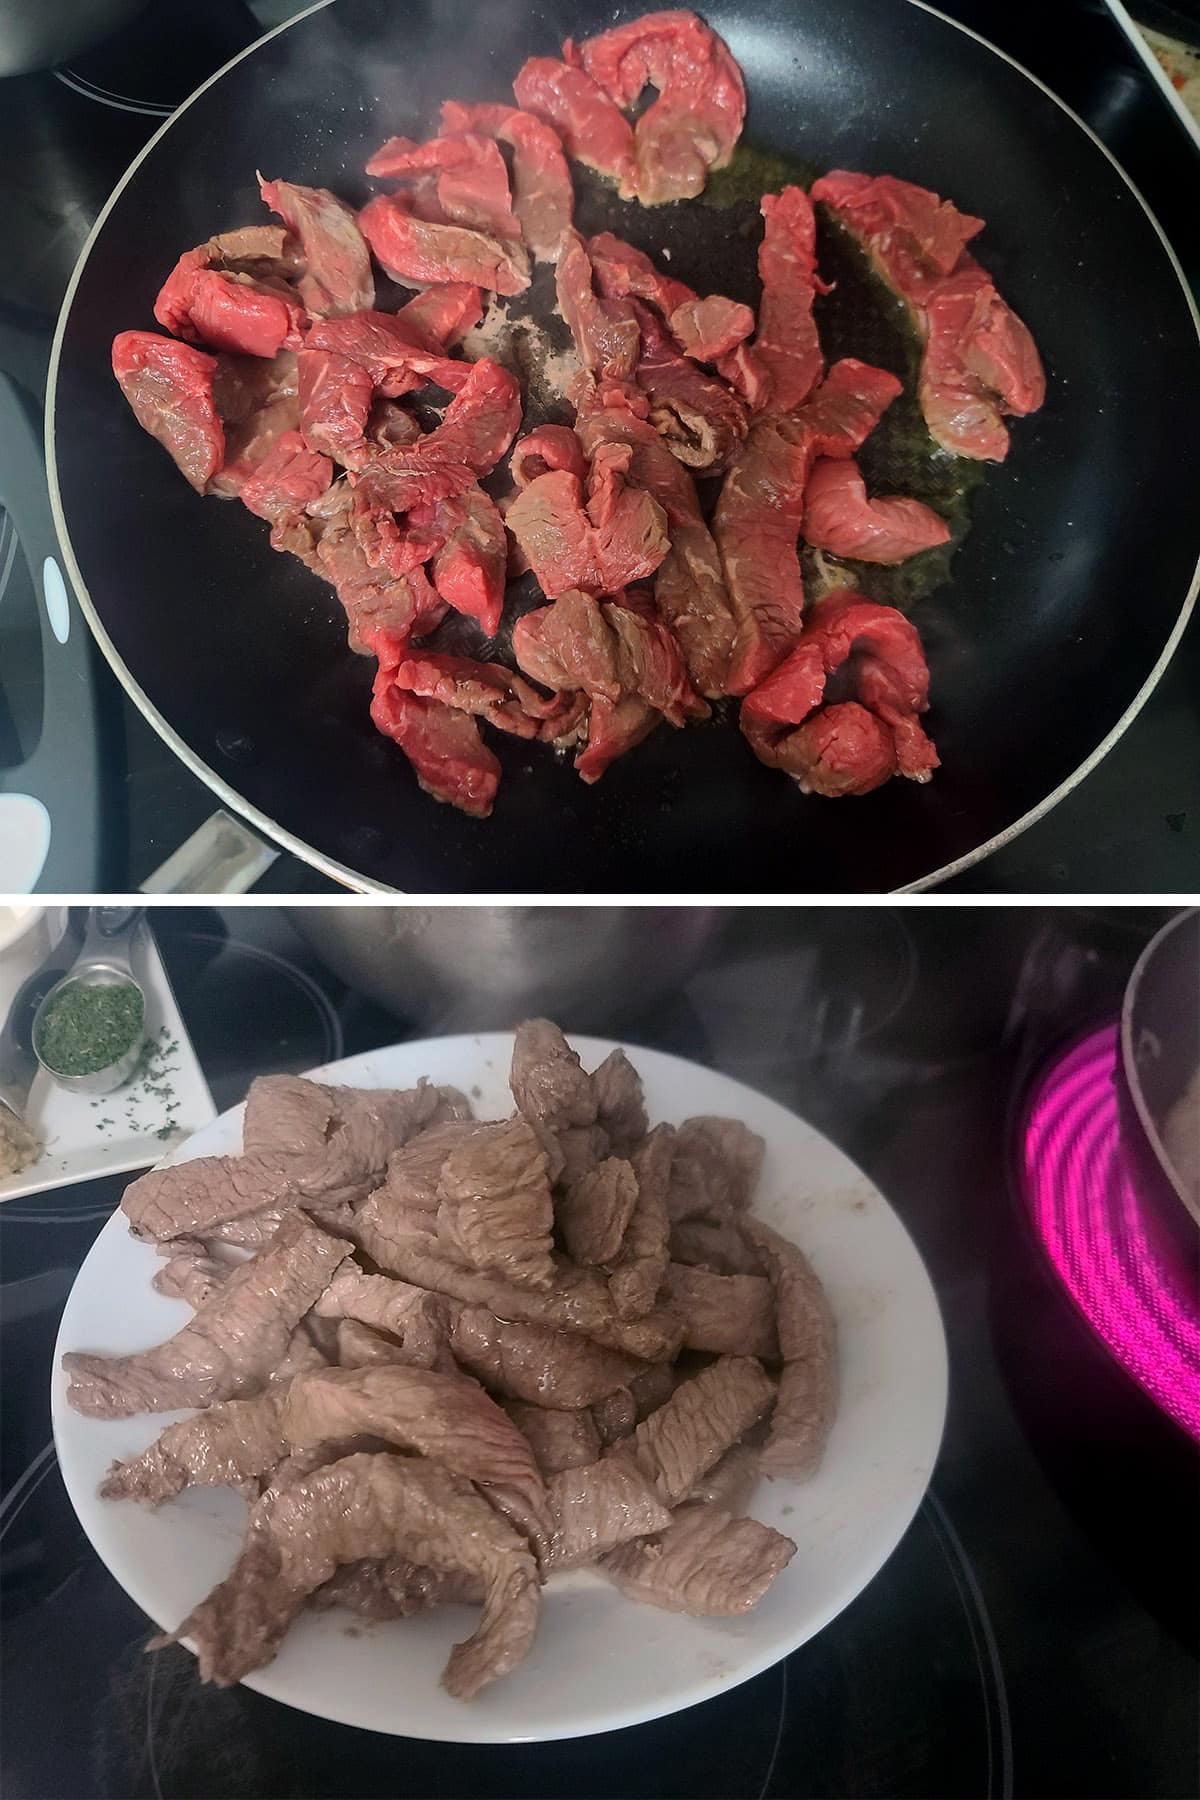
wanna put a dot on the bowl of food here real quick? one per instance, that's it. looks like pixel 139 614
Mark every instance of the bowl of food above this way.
pixel 660 1455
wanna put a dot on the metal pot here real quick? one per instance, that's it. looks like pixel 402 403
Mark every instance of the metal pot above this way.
pixel 36 34
pixel 451 968
pixel 1160 1052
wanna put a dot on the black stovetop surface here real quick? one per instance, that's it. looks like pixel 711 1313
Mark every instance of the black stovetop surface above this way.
pixel 1134 824
pixel 1033 1635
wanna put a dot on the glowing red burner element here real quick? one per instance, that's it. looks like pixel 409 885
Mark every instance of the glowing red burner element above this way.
pixel 1090 1216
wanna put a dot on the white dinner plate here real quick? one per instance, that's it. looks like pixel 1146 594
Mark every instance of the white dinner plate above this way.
pixel 600 1660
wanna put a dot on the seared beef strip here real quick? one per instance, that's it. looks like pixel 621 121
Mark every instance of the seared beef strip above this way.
pixel 230 1445
pixel 557 1369
pixel 638 1274
pixel 717 1163
pixel 231 1345
pixel 559 1440
pixel 596 1209
pixel 731 1314
pixel 446 1417
pixel 705 1563
pixel 495 1208
pixel 368 1507
pixel 598 1507
pixel 807 1398
pixel 699 1423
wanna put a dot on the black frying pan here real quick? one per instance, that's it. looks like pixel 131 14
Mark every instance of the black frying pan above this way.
pixel 1067 593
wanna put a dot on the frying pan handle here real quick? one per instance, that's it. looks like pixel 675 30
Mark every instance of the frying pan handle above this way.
pixel 63 771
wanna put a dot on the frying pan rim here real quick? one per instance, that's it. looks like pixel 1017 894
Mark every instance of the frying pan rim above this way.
pixel 1184 919
pixel 350 878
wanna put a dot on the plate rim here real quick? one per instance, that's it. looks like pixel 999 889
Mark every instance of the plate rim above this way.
pixel 352 879
pixel 474 1729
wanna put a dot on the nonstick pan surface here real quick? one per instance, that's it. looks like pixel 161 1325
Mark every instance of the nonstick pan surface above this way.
pixel 1065 596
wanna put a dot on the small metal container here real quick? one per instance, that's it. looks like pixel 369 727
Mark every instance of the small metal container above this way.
pixel 103 962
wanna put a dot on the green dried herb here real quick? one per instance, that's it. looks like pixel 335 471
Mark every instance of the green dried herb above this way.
pixel 87 1027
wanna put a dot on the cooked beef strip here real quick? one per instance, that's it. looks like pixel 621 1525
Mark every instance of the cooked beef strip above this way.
pixel 621 1108
pixel 596 1209
pixel 230 1445
pixel 556 1369
pixel 731 1314
pixel 730 1482
pixel 637 1276
pixel 559 1440
pixel 285 1164
pixel 368 1507
pixel 495 1208
pixel 598 1507
pixel 615 1416
pixel 361 1347
pixel 231 1345
pixel 412 1173
pixel 579 1300
pixel 808 1386
pixel 420 1320
pixel 705 1563
pixel 701 1420
pixel 717 1164
pixel 448 1418
pixel 580 1148
pixel 192 1273
pixel 715 1242
pixel 653 1387
pixel 393 1588
pixel 550 1085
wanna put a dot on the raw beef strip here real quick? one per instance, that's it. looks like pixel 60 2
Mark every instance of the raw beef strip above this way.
pixel 413 250
pixel 231 312
pixel 287 480
pixel 490 691
pixel 705 1563
pixel 368 1507
pixel 393 1588
pixel 699 1423
pixel 448 1418
pixel 839 518
pixel 600 542
pixel 786 352
pixel 717 1164
pixel 449 758
pixel 472 180
pixel 469 569
pixel 620 1102
pixel 893 685
pixel 382 611
pixel 689 588
pixel 696 119
pixel 337 277
pixel 590 127
pixel 495 1207
pixel 761 507
pixel 335 404
pixel 548 448
pixel 170 388
pixel 478 427
pixel 443 315
pixel 230 1445
pixel 599 1506
pixel 980 363
pixel 808 1387
pixel 419 1320
pixel 228 1349
pixel 703 329
pixel 638 1273
pixel 608 651
pixel 595 1210
pixel 614 728
pixel 393 349
pixel 543 199
pixel 559 1440
pixel 606 332
pixel 578 1301
pixel 257 400
pixel 701 419
pixel 536 1364
pixel 733 1315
